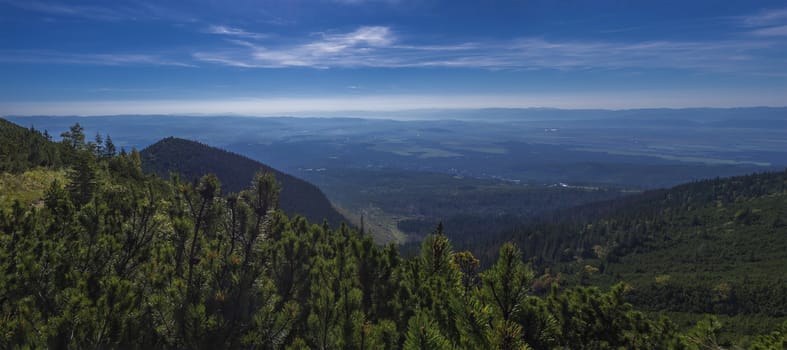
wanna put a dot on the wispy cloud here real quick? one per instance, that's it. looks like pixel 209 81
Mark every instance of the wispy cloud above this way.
pixel 361 47
pixel 769 23
pixel 364 2
pixel 59 9
pixel 765 18
pixel 234 32
pixel 771 31
pixel 379 46
pixel 127 12
pixel 102 59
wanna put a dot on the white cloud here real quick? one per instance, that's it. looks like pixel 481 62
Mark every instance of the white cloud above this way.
pixel 107 12
pixel 58 9
pixel 765 18
pixel 373 36
pixel 113 59
pixel 366 2
pixel 771 31
pixel 361 47
pixel 234 32
pixel 769 23
pixel 379 47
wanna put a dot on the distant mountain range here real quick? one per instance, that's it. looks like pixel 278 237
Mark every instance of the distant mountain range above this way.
pixel 193 159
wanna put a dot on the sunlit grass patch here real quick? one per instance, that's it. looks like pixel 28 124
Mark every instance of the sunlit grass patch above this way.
pixel 28 187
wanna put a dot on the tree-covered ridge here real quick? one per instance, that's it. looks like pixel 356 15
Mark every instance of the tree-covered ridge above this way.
pixel 567 233
pixel 193 159
pixel 714 246
pixel 22 148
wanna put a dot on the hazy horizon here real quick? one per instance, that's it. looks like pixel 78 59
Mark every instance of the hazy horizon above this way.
pixel 434 113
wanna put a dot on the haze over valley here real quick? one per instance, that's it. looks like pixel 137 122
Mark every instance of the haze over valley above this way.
pixel 386 169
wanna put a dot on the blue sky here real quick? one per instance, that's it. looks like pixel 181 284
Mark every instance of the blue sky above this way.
pixel 281 57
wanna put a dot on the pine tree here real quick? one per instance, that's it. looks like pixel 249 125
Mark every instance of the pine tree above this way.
pixel 109 148
pixel 75 137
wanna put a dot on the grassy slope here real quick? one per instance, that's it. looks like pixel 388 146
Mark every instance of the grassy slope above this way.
pixel 29 187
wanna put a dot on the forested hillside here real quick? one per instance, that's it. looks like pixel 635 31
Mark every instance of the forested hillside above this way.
pixel 116 258
pixel 193 159
pixel 23 148
pixel 715 246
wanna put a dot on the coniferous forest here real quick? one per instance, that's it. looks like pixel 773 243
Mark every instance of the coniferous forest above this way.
pixel 108 256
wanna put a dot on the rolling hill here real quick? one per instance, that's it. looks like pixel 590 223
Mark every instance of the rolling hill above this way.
pixel 193 159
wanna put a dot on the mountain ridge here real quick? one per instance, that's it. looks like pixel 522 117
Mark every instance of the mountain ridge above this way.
pixel 714 246
pixel 194 159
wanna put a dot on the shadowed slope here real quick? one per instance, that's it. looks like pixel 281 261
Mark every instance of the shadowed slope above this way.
pixel 193 159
